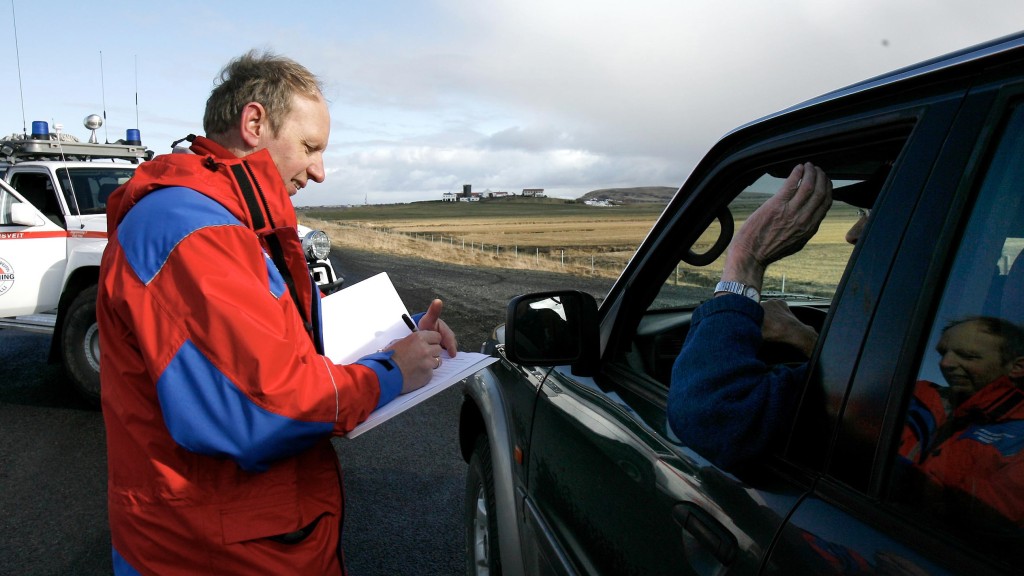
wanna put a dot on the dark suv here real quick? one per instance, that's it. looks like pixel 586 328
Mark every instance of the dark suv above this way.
pixel 573 468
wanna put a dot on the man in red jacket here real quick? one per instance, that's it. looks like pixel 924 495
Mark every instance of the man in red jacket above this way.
pixel 218 403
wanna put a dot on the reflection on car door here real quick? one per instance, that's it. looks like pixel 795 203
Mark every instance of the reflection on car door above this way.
pixel 841 528
pixel 617 496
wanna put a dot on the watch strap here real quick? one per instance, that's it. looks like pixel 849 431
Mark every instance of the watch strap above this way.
pixel 738 288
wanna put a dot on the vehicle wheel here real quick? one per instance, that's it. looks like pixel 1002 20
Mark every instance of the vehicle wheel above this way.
pixel 80 346
pixel 481 521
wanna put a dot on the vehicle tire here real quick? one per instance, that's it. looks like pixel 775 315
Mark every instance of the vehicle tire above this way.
pixel 481 521
pixel 80 345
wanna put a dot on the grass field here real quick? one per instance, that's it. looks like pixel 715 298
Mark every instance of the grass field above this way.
pixel 558 236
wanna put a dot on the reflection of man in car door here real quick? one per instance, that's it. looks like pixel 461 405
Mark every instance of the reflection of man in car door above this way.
pixel 966 441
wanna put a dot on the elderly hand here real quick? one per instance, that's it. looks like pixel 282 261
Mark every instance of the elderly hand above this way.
pixel 780 325
pixel 779 227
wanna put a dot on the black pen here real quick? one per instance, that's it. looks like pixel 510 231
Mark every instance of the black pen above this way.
pixel 409 323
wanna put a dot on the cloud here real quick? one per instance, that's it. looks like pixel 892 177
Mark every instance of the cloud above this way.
pixel 577 96
pixel 427 95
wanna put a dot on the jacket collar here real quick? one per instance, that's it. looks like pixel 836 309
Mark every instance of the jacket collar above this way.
pixel 250 187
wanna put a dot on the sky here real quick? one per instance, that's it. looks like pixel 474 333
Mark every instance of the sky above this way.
pixel 428 95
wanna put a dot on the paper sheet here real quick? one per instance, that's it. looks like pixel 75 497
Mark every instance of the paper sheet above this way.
pixel 451 372
pixel 367 316
pixel 362 318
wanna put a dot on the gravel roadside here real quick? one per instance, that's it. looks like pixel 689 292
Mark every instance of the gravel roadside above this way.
pixel 475 298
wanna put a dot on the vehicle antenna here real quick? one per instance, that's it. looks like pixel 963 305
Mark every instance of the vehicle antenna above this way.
pixel 103 95
pixel 17 54
pixel 137 92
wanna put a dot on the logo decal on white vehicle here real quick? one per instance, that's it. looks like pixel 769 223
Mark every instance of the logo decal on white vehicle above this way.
pixel 6 276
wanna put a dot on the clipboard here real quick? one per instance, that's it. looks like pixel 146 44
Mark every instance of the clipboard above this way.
pixel 367 316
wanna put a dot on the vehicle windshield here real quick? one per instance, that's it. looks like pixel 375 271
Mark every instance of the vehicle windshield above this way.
pixel 88 188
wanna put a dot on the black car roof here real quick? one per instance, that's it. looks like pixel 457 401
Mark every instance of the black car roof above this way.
pixel 1011 46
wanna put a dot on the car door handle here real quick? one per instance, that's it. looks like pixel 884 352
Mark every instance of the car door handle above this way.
pixel 710 533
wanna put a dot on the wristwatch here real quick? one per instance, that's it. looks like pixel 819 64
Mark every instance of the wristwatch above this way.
pixel 738 288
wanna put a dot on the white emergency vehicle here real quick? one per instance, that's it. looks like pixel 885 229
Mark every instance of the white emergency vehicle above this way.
pixel 53 229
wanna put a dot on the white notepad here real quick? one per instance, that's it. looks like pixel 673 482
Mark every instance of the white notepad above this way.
pixel 367 316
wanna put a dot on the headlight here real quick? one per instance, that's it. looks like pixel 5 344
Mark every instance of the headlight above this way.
pixel 316 245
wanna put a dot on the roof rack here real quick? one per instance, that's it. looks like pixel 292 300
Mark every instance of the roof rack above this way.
pixel 44 145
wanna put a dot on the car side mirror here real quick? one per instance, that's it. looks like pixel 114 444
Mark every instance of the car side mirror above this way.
pixel 25 215
pixel 553 329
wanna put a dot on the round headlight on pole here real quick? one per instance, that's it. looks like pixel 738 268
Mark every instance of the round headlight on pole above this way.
pixel 316 244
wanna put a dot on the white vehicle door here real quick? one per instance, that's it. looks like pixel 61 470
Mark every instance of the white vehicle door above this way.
pixel 33 255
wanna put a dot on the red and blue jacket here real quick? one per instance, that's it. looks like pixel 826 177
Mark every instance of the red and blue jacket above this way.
pixel 975 454
pixel 218 403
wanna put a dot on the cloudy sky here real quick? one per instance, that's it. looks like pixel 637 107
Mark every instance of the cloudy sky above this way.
pixel 428 95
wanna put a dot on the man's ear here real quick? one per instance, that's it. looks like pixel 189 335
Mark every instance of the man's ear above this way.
pixel 254 127
pixel 1017 368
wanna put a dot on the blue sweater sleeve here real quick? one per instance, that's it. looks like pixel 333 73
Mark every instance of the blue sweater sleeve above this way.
pixel 724 402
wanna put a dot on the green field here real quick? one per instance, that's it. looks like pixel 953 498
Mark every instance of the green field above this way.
pixel 559 235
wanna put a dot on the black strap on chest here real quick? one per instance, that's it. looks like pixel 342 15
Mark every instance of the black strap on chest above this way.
pixel 254 198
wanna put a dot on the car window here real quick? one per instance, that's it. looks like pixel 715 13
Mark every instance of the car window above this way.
pixel 959 462
pixel 811 274
pixel 857 164
pixel 6 201
pixel 91 187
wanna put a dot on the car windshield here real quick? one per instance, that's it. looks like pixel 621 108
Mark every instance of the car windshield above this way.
pixel 88 188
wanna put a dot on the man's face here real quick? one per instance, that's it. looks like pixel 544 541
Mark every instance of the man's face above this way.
pixel 297 147
pixel 971 357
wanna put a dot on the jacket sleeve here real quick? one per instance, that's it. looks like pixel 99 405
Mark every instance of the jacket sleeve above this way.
pixel 236 373
pixel 724 402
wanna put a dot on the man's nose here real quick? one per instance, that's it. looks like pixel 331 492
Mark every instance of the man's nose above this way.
pixel 315 171
pixel 853 234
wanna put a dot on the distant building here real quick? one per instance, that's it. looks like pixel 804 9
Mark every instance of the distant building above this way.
pixel 533 192
pixel 497 194
pixel 472 197
pixel 449 197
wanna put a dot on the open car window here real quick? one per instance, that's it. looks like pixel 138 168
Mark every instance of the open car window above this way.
pixel 858 167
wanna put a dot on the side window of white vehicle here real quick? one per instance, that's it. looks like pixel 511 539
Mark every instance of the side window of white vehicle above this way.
pixel 960 458
pixel 6 201
pixel 38 190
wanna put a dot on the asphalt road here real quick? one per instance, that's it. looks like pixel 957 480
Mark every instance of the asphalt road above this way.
pixel 403 480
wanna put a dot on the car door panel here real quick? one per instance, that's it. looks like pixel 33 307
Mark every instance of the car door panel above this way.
pixel 33 268
pixel 616 496
pixel 874 538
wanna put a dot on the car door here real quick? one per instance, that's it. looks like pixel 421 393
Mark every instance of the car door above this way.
pixel 32 259
pixel 960 261
pixel 611 489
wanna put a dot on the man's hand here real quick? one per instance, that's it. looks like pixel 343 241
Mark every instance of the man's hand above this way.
pixel 431 320
pixel 780 325
pixel 417 355
pixel 779 227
